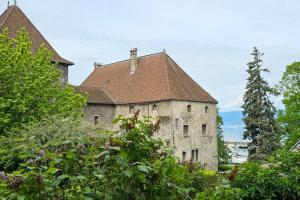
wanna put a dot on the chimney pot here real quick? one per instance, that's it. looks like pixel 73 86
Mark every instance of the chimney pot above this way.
pixel 96 64
pixel 133 60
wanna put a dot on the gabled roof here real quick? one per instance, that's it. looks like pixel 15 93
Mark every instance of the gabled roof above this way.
pixel 95 95
pixel 14 19
pixel 156 78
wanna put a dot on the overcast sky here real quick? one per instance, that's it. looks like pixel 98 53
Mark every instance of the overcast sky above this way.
pixel 211 40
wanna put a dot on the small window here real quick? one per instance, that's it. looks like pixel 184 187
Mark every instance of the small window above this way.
pixel 176 123
pixel 195 155
pixel 206 109
pixel 203 129
pixel 189 108
pixel 131 110
pixel 154 109
pixel 183 156
pixel 96 119
pixel 185 130
pixel 168 143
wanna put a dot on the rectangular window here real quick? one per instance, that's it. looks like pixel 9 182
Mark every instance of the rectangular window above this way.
pixel 203 129
pixel 176 123
pixel 183 156
pixel 131 110
pixel 96 119
pixel 195 155
pixel 189 108
pixel 185 130
pixel 154 109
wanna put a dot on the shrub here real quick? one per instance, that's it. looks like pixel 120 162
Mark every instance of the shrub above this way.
pixel 276 179
pixel 65 159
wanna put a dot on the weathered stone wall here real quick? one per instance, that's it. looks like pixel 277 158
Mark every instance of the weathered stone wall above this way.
pixel 106 114
pixel 64 73
pixel 171 131
pixel 205 143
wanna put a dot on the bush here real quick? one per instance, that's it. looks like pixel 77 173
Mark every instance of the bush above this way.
pixel 65 159
pixel 276 179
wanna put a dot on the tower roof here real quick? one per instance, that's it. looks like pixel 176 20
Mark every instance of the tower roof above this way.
pixel 156 78
pixel 14 19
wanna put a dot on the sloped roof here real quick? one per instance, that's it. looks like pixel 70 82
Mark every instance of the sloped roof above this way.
pixel 14 19
pixel 156 78
pixel 95 95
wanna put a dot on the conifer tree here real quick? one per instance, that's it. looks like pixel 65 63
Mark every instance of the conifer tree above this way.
pixel 258 111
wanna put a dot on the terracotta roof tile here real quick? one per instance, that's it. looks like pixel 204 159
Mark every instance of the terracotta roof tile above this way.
pixel 156 78
pixel 14 19
pixel 94 95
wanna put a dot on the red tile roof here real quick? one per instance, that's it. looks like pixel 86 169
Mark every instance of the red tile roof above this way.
pixel 156 78
pixel 95 95
pixel 14 19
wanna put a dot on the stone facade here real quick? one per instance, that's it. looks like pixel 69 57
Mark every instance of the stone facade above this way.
pixel 188 127
pixel 64 73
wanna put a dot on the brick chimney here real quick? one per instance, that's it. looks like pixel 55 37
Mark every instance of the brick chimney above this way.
pixel 133 60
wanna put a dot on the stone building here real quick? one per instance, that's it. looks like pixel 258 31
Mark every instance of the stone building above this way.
pixel 158 87
pixel 14 20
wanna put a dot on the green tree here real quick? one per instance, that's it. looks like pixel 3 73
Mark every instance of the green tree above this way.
pixel 260 123
pixel 223 150
pixel 290 117
pixel 30 86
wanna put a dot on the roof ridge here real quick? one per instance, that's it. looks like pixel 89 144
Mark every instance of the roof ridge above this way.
pixel 112 63
pixel 167 76
pixel 5 18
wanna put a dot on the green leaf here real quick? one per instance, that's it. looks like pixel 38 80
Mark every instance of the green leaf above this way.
pixel 52 170
pixel 100 176
pixel 128 173
pixel 114 148
pixel 143 168
pixel 102 154
pixel 81 177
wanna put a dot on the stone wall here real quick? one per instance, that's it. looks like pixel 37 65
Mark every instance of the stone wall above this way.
pixel 173 115
pixel 64 73
pixel 106 114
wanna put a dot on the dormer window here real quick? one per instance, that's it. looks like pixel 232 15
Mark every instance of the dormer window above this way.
pixel 189 108
pixel 206 109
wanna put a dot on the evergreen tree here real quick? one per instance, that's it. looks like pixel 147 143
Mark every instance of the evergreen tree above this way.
pixel 260 124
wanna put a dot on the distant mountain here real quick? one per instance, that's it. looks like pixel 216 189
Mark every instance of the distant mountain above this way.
pixel 233 125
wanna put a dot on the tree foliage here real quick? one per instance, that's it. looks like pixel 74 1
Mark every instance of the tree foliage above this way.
pixel 30 86
pixel 289 118
pixel 278 178
pixel 64 159
pixel 223 150
pixel 258 111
